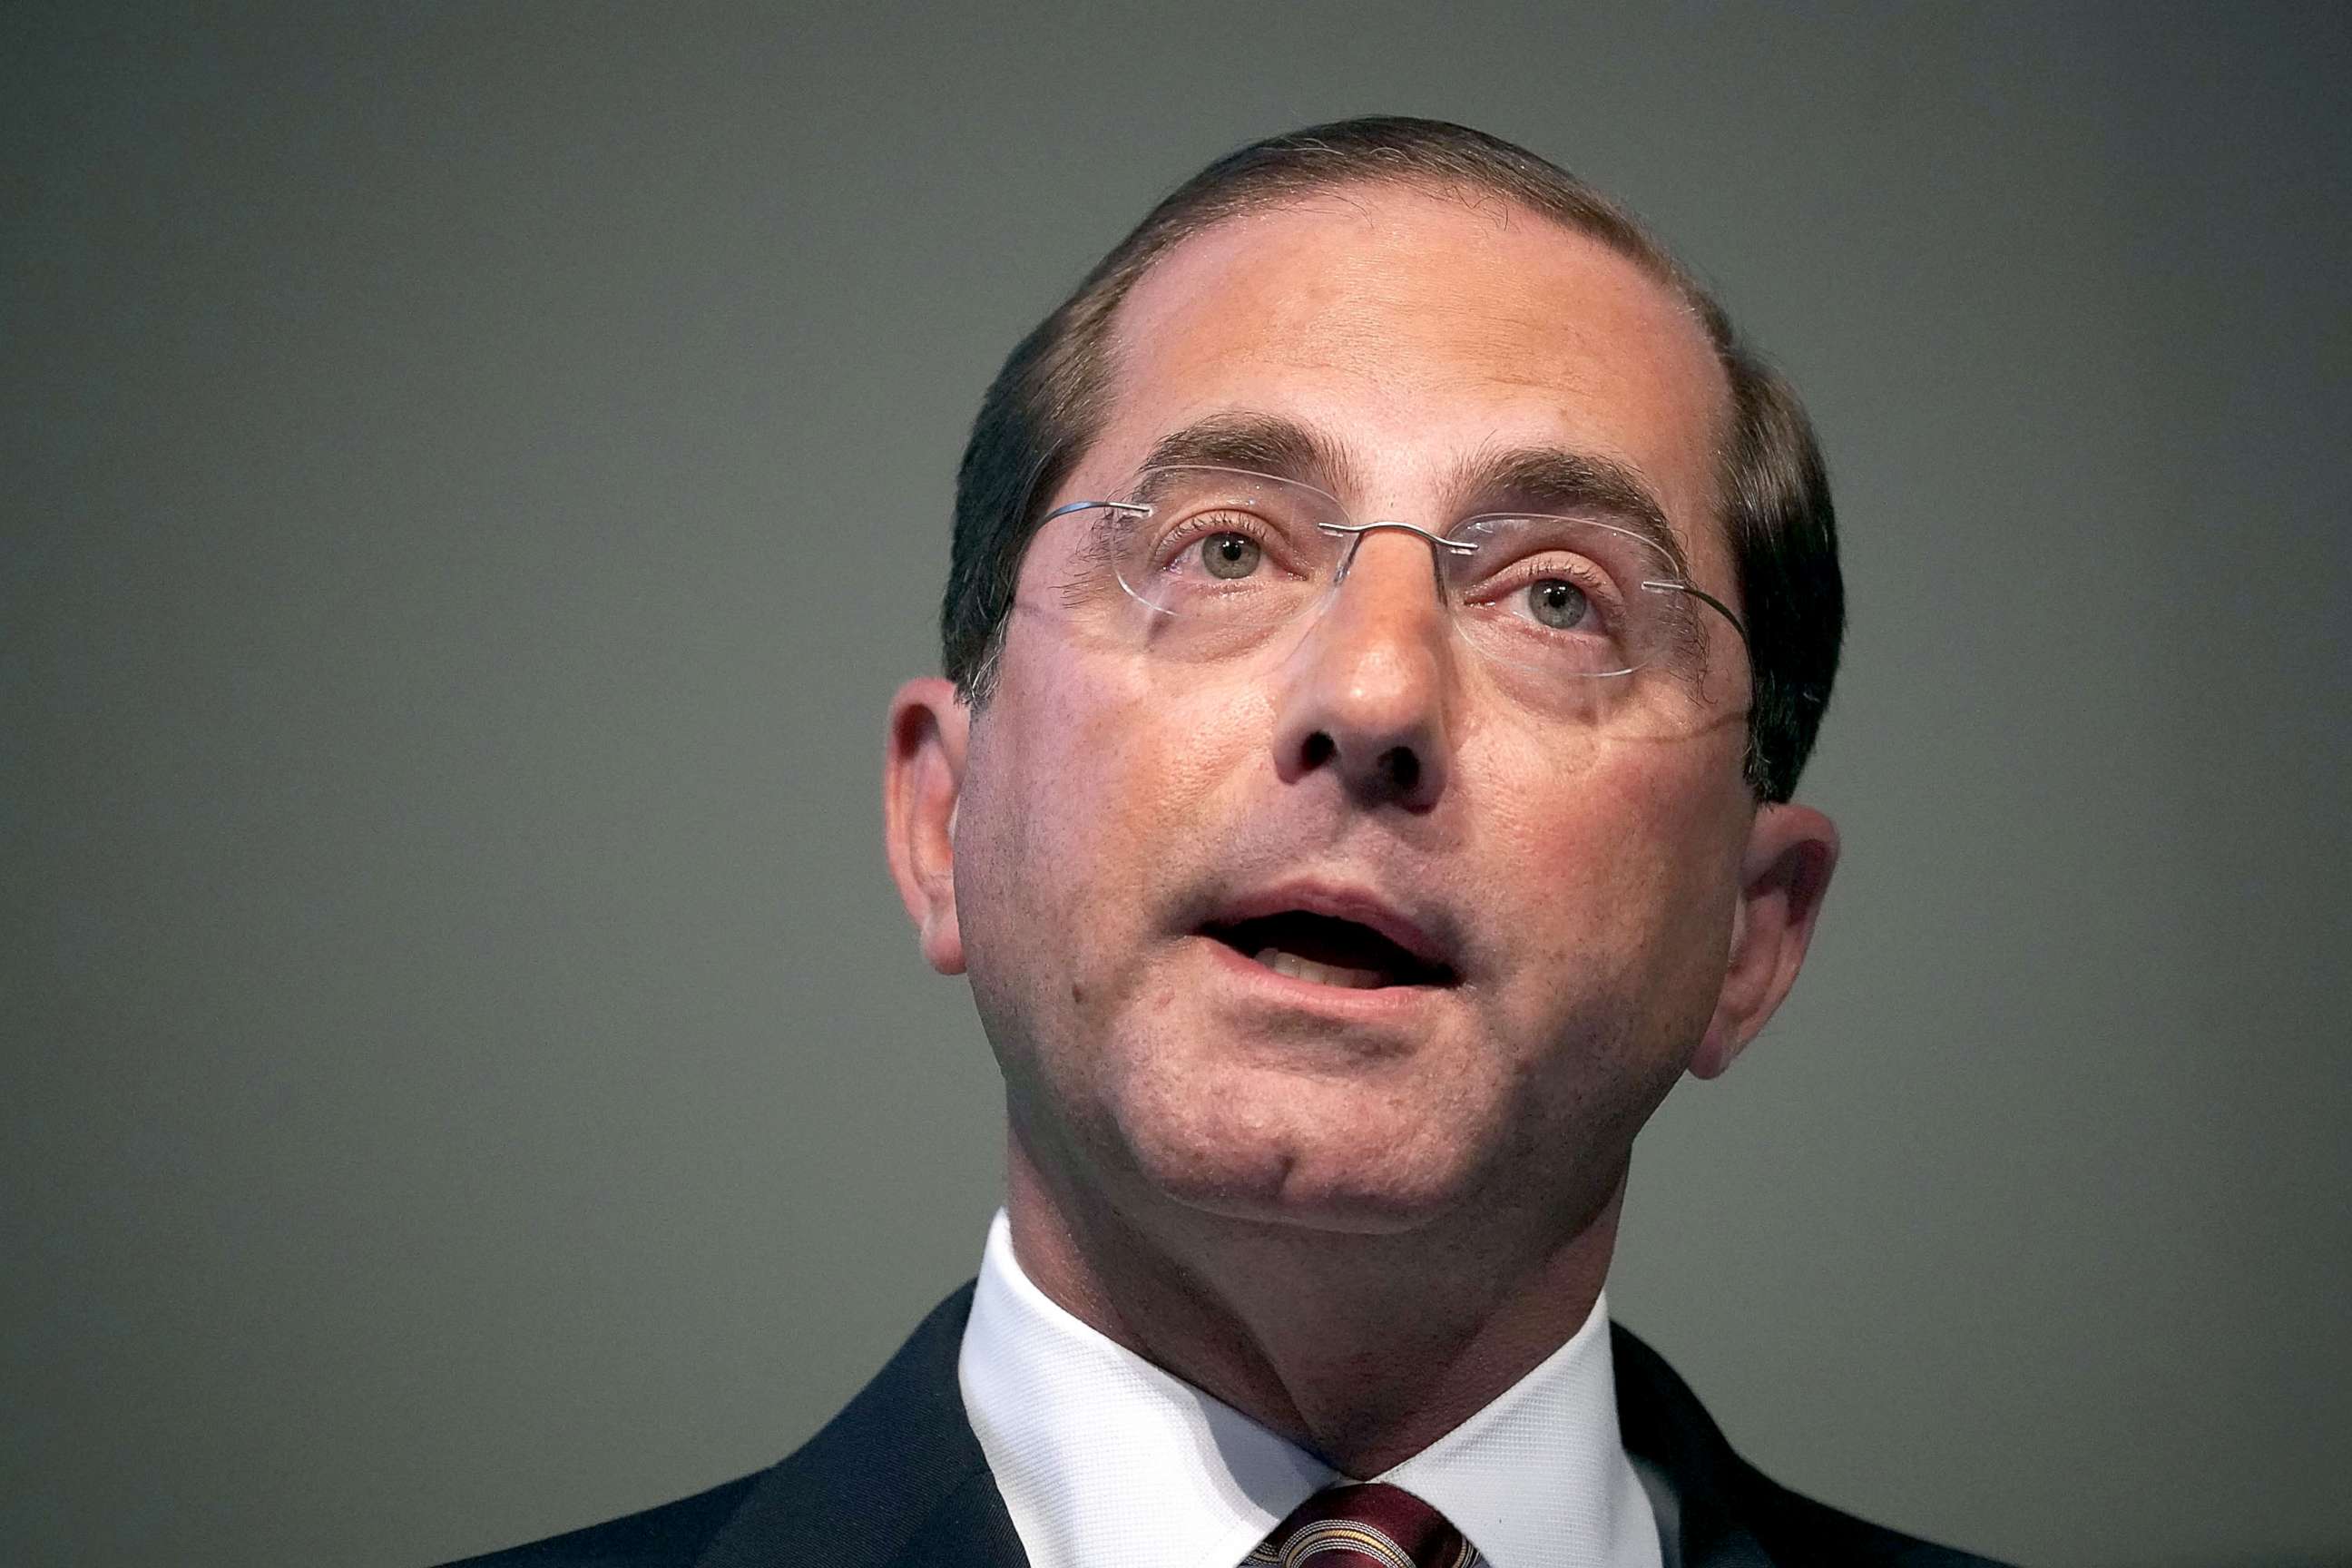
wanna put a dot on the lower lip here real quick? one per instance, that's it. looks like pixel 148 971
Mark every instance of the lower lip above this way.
pixel 1341 1001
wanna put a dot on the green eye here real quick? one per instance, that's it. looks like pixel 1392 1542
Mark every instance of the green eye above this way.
pixel 1229 555
pixel 1559 606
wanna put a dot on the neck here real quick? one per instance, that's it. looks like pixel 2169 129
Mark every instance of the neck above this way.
pixel 1362 1348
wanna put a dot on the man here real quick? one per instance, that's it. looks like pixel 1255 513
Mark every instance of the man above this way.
pixel 1388 617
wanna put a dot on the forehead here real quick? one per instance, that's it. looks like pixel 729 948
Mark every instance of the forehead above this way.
pixel 1419 330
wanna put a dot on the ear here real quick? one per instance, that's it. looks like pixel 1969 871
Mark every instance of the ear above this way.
pixel 1784 872
pixel 922 778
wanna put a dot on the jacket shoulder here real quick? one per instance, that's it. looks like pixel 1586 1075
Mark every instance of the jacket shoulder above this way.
pixel 1795 1528
pixel 1727 1510
pixel 896 1471
pixel 670 1536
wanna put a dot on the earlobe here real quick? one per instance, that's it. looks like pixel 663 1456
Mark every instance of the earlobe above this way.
pixel 1784 875
pixel 922 783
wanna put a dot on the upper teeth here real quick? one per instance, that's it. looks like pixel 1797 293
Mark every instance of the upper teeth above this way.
pixel 1290 963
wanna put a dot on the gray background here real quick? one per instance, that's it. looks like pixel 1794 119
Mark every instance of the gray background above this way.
pixel 473 480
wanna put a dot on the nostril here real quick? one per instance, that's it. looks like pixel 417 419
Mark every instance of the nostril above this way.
pixel 1402 767
pixel 1396 773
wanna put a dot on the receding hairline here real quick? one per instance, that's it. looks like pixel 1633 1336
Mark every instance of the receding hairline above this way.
pixel 1041 408
pixel 1608 227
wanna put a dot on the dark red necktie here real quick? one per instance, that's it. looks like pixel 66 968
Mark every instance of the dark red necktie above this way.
pixel 1369 1526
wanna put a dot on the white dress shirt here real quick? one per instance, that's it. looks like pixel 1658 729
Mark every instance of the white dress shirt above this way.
pixel 1104 1459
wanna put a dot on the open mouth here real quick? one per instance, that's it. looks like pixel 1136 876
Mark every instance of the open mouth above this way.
pixel 1328 950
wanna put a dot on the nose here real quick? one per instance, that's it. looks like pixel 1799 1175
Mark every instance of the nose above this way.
pixel 1365 693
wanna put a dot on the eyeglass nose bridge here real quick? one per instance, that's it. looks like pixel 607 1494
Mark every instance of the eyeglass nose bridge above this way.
pixel 1439 545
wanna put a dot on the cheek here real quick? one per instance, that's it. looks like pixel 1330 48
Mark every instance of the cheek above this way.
pixel 1624 865
pixel 1093 800
pixel 1092 797
pixel 1621 908
pixel 1119 764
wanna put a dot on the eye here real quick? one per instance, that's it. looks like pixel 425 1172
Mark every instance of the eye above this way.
pixel 1225 544
pixel 1558 605
pixel 1229 555
pixel 1560 595
pixel 1552 577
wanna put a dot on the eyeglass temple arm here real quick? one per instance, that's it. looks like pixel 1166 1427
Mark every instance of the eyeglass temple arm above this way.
pixel 1704 597
pixel 1133 508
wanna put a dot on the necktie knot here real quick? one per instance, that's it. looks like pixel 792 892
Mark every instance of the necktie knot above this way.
pixel 1371 1525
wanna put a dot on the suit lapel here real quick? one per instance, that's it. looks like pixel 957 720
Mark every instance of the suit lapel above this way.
pixel 969 1526
pixel 896 1480
pixel 1663 1424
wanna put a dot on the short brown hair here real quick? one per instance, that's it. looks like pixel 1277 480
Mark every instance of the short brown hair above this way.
pixel 1043 409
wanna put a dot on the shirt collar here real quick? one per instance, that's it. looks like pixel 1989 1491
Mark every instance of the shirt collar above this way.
pixel 1102 1457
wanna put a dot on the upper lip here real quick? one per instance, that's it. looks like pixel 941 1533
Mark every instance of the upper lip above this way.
pixel 1424 934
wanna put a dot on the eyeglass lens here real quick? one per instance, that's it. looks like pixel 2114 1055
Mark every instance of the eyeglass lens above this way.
pixel 1221 550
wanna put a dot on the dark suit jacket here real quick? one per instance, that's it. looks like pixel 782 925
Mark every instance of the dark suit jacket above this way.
pixel 897 1480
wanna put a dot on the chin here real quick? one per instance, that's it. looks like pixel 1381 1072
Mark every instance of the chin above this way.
pixel 1356 1213
pixel 1382 1182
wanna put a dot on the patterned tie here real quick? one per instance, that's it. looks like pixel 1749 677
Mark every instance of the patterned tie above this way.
pixel 1369 1526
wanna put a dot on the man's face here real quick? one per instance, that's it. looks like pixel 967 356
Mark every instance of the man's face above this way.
pixel 1122 814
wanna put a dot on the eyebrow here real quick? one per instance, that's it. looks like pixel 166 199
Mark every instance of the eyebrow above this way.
pixel 1263 443
pixel 1555 479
